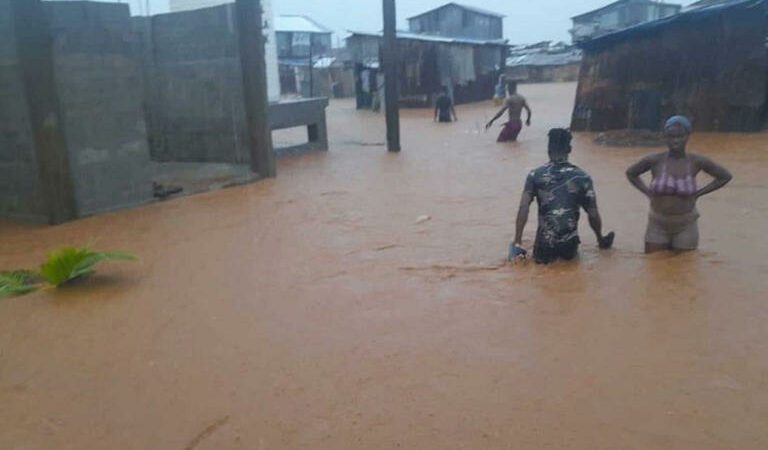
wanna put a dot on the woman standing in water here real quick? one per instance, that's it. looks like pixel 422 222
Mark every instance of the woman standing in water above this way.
pixel 672 223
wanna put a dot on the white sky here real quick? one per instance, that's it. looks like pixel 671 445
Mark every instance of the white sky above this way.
pixel 527 21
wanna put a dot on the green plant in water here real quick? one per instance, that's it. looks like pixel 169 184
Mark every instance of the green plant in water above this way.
pixel 71 263
pixel 19 282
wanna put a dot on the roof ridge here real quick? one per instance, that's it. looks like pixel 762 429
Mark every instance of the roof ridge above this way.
pixel 460 5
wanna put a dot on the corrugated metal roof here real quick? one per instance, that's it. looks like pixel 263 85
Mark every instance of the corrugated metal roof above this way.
pixel 602 8
pixel 298 24
pixel 683 17
pixel 479 10
pixel 429 38
pixel 545 59
pixel 484 12
pixel 705 3
pixel 611 5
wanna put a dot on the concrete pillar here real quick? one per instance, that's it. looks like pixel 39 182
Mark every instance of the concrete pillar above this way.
pixel 251 40
pixel 34 47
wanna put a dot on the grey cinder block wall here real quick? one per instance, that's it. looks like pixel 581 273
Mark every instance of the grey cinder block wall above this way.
pixel 99 82
pixel 92 109
pixel 21 194
pixel 194 86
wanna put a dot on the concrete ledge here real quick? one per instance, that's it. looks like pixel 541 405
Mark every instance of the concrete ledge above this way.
pixel 305 112
pixel 294 113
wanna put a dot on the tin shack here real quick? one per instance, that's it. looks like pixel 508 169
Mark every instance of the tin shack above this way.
pixel 708 62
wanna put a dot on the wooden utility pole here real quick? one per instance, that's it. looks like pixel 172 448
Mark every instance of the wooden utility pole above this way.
pixel 390 65
pixel 311 70
pixel 254 67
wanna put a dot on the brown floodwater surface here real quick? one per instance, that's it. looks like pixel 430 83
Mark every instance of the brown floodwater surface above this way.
pixel 313 311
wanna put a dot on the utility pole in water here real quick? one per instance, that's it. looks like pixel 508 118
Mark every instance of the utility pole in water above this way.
pixel 254 67
pixel 311 70
pixel 390 58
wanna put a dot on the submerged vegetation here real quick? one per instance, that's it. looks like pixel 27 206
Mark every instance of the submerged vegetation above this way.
pixel 18 282
pixel 60 267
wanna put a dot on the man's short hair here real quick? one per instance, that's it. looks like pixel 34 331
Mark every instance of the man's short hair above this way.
pixel 560 140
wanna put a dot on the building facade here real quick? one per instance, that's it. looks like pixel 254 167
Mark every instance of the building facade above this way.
pixel 299 41
pixel 618 16
pixel 469 68
pixel 295 35
pixel 455 20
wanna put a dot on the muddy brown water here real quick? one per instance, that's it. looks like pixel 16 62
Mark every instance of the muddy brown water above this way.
pixel 312 311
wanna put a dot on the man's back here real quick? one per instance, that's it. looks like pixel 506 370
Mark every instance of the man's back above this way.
pixel 560 189
pixel 515 103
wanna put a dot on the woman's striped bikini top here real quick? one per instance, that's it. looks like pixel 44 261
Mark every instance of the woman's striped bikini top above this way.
pixel 666 184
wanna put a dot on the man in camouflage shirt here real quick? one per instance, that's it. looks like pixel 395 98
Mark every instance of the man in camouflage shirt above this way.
pixel 560 189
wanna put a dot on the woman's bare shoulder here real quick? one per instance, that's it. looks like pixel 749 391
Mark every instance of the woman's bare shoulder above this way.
pixel 698 158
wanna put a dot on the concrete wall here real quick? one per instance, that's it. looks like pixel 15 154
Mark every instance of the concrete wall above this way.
pixel 195 87
pixel 99 83
pixel 21 194
pixel 273 80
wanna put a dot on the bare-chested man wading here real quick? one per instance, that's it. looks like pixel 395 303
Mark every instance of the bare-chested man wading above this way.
pixel 515 103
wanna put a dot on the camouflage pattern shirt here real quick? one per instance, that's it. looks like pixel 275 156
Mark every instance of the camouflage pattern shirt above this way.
pixel 561 189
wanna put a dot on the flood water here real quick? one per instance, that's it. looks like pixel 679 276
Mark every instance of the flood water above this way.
pixel 313 311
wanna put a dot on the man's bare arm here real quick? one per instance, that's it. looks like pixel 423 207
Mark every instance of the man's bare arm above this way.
pixel 453 110
pixel 522 217
pixel 595 222
pixel 720 174
pixel 498 114
pixel 634 171
pixel 528 111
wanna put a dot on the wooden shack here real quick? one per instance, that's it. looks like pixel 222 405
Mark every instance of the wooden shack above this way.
pixel 709 63
pixel 469 68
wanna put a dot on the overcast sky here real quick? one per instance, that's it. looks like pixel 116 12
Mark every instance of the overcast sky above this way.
pixel 527 21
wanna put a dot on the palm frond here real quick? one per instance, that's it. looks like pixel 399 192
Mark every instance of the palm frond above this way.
pixel 19 282
pixel 71 263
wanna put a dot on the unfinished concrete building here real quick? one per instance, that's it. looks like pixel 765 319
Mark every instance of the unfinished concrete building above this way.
pixel 98 109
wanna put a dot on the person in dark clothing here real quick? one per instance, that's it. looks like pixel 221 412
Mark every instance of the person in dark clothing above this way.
pixel 560 189
pixel 444 107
